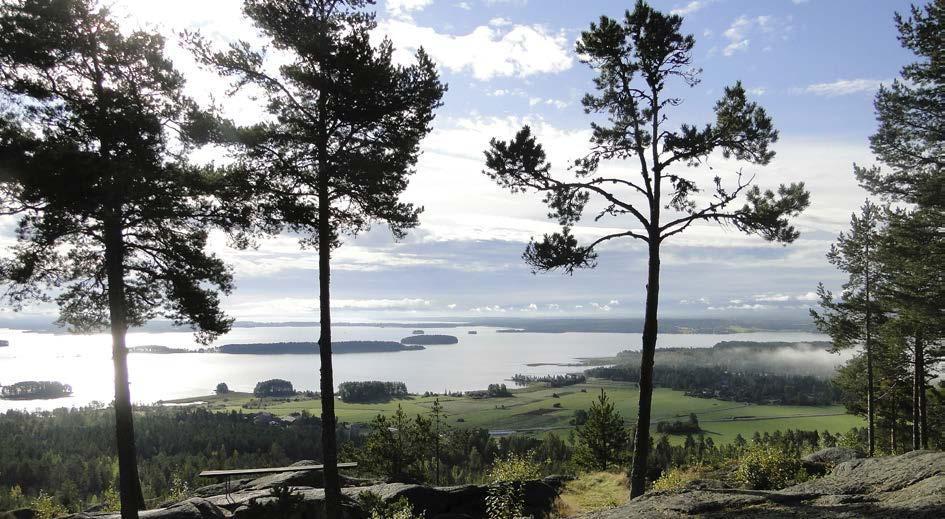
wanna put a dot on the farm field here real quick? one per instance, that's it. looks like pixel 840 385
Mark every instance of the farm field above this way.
pixel 537 410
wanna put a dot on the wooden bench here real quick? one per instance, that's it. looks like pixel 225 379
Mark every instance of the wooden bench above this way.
pixel 227 474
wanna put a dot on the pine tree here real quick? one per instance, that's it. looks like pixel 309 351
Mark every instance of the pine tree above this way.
pixel 851 320
pixel 602 440
pixel 113 221
pixel 634 60
pixel 913 254
pixel 346 132
pixel 910 140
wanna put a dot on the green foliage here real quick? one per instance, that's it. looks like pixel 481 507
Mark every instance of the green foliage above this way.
pixel 371 391
pixel 506 495
pixel 376 508
pixel 767 468
pixel 676 478
pixel 397 446
pixel 274 388
pixel 602 440
pixel 46 507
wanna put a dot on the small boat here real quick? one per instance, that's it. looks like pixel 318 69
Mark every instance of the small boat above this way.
pixel 4 344
pixel 418 332
pixel 472 332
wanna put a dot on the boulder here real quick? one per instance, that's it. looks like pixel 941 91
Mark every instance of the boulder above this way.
pixel 910 485
pixel 832 456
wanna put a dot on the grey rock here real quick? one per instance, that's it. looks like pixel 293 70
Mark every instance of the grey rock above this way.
pixel 911 485
pixel 832 456
pixel 194 508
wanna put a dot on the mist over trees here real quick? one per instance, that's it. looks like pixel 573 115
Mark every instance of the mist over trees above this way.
pixel 634 58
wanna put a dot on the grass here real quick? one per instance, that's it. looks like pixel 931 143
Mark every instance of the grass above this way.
pixel 532 410
pixel 591 492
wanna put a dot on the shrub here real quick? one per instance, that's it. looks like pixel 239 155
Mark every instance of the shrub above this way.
pixel 506 496
pixel 677 477
pixel 375 507
pixel 46 507
pixel 765 468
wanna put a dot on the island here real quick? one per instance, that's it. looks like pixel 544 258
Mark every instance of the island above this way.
pixel 430 339
pixel 35 390
pixel 161 350
pixel 311 348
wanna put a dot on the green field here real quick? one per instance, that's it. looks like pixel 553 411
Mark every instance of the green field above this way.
pixel 533 410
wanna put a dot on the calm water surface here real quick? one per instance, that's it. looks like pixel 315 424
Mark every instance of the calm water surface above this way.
pixel 477 361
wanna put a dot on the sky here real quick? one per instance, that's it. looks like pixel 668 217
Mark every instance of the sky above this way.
pixel 813 64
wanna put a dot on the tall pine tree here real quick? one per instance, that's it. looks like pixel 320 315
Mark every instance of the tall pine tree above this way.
pixel 344 138
pixel 852 319
pixel 634 60
pixel 113 222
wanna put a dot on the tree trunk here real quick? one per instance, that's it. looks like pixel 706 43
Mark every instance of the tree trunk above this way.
pixel 923 405
pixel 918 383
pixel 870 397
pixel 650 328
pixel 329 446
pixel 129 485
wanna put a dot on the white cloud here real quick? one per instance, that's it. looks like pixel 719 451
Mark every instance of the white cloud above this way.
pixel 809 296
pixel 488 51
pixel 759 91
pixel 691 7
pixel 841 87
pixel 766 26
pixel 404 7
pixel 465 6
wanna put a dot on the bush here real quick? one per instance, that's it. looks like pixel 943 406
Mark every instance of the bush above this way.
pixel 765 468
pixel 506 497
pixel 677 477
pixel 47 507
pixel 375 507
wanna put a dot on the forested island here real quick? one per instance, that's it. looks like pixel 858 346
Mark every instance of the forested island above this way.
pixel 35 390
pixel 430 340
pixel 311 348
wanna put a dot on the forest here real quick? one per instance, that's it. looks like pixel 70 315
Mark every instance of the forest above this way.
pixel 722 383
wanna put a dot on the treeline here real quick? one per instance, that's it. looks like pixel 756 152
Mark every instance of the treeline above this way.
pixel 723 384
pixel 690 426
pixel 429 339
pixel 785 358
pixel 70 455
pixel 31 389
pixel 568 379
pixel 371 391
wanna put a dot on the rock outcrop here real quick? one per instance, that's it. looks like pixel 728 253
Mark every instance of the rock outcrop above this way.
pixel 258 499
pixel 910 485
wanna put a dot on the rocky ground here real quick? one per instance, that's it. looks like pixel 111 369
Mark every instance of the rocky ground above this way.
pixel 908 486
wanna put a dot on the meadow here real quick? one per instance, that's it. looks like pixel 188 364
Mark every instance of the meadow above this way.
pixel 536 410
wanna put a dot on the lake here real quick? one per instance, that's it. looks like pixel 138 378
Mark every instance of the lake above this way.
pixel 487 357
